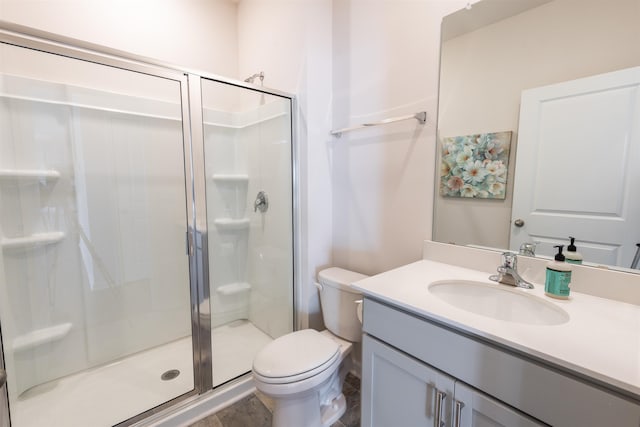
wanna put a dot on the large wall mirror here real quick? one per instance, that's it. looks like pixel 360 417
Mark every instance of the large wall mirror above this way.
pixel 539 127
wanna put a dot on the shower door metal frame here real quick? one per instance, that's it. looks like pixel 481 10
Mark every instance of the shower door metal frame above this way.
pixel 193 149
pixel 198 239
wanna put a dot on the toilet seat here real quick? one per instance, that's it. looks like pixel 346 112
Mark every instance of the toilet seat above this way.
pixel 295 357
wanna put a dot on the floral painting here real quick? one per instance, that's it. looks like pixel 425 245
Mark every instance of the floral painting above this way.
pixel 475 166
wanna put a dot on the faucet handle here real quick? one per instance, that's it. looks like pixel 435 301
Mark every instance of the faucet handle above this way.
pixel 262 202
pixel 510 260
pixel 528 249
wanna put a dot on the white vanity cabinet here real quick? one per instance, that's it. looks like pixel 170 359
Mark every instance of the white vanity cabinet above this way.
pixel 398 390
pixel 410 360
pixel 401 391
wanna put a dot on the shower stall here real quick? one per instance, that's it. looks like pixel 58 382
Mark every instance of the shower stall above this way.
pixel 146 233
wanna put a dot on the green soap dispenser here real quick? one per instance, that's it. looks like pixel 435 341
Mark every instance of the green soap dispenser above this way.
pixel 558 277
pixel 573 256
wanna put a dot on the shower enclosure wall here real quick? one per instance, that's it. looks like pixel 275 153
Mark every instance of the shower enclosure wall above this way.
pixel 136 268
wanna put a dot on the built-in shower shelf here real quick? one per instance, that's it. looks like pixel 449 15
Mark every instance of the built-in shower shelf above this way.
pixel 32 241
pixel 234 288
pixel 231 224
pixel 231 178
pixel 39 337
pixel 28 175
pixel 244 125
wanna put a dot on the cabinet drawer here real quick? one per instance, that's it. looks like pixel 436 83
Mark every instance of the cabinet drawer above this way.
pixel 553 397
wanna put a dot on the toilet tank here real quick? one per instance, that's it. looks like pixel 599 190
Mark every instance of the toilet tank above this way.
pixel 338 302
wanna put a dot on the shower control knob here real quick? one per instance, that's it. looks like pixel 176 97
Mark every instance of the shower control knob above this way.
pixel 518 222
pixel 261 203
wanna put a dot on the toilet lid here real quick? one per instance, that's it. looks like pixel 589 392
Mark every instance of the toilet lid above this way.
pixel 340 278
pixel 300 354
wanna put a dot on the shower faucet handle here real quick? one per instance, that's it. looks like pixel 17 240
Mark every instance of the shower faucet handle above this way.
pixel 262 202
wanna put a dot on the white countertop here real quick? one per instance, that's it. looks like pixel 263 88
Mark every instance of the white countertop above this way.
pixel 600 340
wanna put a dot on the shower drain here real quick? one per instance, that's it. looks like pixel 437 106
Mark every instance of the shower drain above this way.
pixel 169 375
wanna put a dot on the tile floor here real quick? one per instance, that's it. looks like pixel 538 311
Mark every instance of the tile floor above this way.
pixel 255 410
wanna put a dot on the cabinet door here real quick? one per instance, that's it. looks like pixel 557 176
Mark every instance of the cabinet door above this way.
pixel 398 390
pixel 474 409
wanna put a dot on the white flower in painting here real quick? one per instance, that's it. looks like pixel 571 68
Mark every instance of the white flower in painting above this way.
pixel 468 190
pixel 464 155
pixel 493 150
pixel 495 167
pixel 474 172
pixel 497 188
pixel 449 147
pixel 462 158
pixel 490 179
pixel 482 194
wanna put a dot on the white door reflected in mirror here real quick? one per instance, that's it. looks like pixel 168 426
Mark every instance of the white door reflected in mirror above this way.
pixel 593 119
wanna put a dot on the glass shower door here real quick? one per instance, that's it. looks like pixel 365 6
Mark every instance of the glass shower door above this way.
pixel 248 167
pixel 94 277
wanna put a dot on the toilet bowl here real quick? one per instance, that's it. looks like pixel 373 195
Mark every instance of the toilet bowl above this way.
pixel 303 371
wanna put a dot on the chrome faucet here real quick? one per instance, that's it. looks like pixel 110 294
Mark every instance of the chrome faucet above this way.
pixel 508 272
pixel 528 249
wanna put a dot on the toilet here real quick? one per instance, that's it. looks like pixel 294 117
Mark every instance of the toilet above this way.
pixel 303 371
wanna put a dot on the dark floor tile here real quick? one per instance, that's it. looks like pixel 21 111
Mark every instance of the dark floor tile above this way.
pixel 249 411
pixel 351 391
pixel 353 381
pixel 351 417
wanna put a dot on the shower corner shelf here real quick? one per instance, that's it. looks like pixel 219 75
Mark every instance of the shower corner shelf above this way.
pixel 29 175
pixel 231 224
pixel 234 288
pixel 32 241
pixel 38 337
pixel 231 177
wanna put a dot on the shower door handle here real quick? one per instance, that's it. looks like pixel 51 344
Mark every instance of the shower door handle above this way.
pixel 3 377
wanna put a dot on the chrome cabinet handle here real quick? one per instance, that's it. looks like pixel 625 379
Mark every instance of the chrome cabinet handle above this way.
pixel 457 414
pixel 440 396
pixel 518 222
pixel 3 377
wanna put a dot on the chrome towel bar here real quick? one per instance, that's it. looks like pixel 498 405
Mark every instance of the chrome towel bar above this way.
pixel 421 117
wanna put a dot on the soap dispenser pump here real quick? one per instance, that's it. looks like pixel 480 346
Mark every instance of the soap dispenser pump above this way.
pixel 558 276
pixel 573 256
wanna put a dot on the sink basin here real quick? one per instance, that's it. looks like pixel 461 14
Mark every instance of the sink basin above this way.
pixel 498 302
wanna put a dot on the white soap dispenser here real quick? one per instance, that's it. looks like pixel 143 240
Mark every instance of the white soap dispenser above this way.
pixel 558 277
pixel 573 256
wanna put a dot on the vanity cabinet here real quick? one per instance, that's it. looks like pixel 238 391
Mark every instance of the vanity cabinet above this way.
pixel 411 363
pixel 399 390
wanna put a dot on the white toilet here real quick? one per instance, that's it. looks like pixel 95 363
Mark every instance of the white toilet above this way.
pixel 303 371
